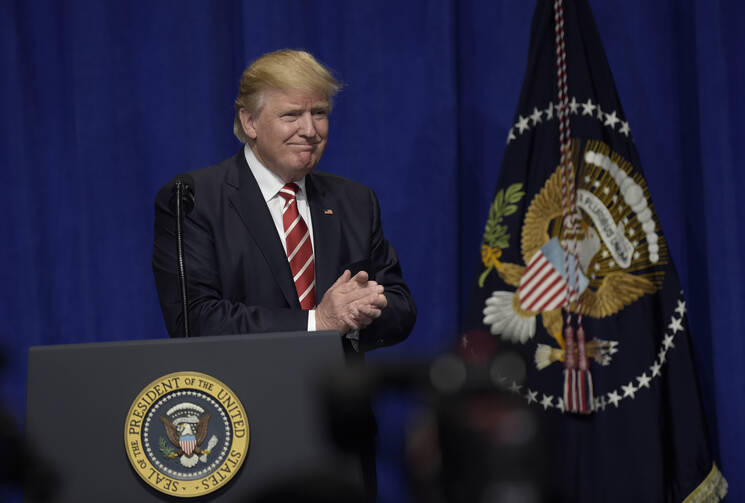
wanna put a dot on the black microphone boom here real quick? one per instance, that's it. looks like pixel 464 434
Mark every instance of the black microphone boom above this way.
pixel 183 190
pixel 182 202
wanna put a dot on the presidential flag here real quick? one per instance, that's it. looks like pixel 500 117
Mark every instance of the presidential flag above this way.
pixel 575 276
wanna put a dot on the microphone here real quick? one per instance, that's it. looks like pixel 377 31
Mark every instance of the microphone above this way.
pixel 183 191
pixel 182 202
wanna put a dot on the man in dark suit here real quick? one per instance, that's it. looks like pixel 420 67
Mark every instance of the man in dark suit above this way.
pixel 272 245
pixel 240 279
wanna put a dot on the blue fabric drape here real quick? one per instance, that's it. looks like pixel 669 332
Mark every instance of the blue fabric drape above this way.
pixel 103 102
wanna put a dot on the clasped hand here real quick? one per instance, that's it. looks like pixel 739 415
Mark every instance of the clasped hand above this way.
pixel 352 303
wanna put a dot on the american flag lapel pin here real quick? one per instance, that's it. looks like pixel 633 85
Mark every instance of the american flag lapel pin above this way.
pixel 328 211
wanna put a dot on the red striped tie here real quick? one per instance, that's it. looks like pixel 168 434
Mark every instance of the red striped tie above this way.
pixel 299 248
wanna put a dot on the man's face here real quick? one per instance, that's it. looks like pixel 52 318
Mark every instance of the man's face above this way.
pixel 289 133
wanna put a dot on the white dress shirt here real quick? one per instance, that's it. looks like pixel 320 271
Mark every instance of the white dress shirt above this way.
pixel 269 184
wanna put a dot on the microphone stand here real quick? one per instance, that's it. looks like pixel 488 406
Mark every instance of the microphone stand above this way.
pixel 180 186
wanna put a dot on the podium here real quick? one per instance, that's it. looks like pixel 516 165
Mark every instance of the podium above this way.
pixel 88 404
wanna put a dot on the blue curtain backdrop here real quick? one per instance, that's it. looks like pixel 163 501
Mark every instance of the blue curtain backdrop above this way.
pixel 103 102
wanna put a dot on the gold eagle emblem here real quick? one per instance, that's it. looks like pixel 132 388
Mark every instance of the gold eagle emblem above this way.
pixel 613 283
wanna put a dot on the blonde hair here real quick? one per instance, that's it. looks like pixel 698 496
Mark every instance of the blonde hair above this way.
pixel 283 70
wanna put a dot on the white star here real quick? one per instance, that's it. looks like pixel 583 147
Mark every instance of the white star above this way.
pixel 600 113
pixel 596 183
pixel 531 396
pixel 662 355
pixel 597 266
pixel 629 390
pixel 655 368
pixel 536 116
pixel 615 198
pixel 587 179
pixel 613 398
pixel 573 105
pixel 611 119
pixel 676 325
pixel 612 263
pixel 511 135
pixel 643 381
pixel 600 403
pixel 606 190
pixel 546 401
pixel 604 253
pixel 624 130
pixel 522 123
pixel 515 388
pixel 636 255
pixel 681 309
pixel 668 342
pixel 631 231
pixel 588 108
pixel 560 404
pixel 550 111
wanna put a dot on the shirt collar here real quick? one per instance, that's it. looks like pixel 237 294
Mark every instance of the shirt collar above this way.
pixel 269 182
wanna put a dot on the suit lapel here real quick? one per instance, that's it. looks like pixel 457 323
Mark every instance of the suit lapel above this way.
pixel 251 207
pixel 326 234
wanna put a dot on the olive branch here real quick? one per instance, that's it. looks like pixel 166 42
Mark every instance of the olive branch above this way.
pixel 165 449
pixel 496 237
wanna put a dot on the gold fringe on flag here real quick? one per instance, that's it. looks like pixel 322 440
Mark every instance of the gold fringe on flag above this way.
pixel 711 490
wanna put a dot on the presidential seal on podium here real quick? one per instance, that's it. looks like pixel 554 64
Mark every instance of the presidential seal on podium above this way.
pixel 186 434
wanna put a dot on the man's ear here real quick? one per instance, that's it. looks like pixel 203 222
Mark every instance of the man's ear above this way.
pixel 248 123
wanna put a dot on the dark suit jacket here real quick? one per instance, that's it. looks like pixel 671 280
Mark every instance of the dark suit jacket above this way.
pixel 239 280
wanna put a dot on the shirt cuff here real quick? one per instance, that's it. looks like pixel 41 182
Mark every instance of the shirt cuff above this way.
pixel 354 339
pixel 312 320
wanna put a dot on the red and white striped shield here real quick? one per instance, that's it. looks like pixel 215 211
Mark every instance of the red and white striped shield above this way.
pixel 187 443
pixel 543 286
